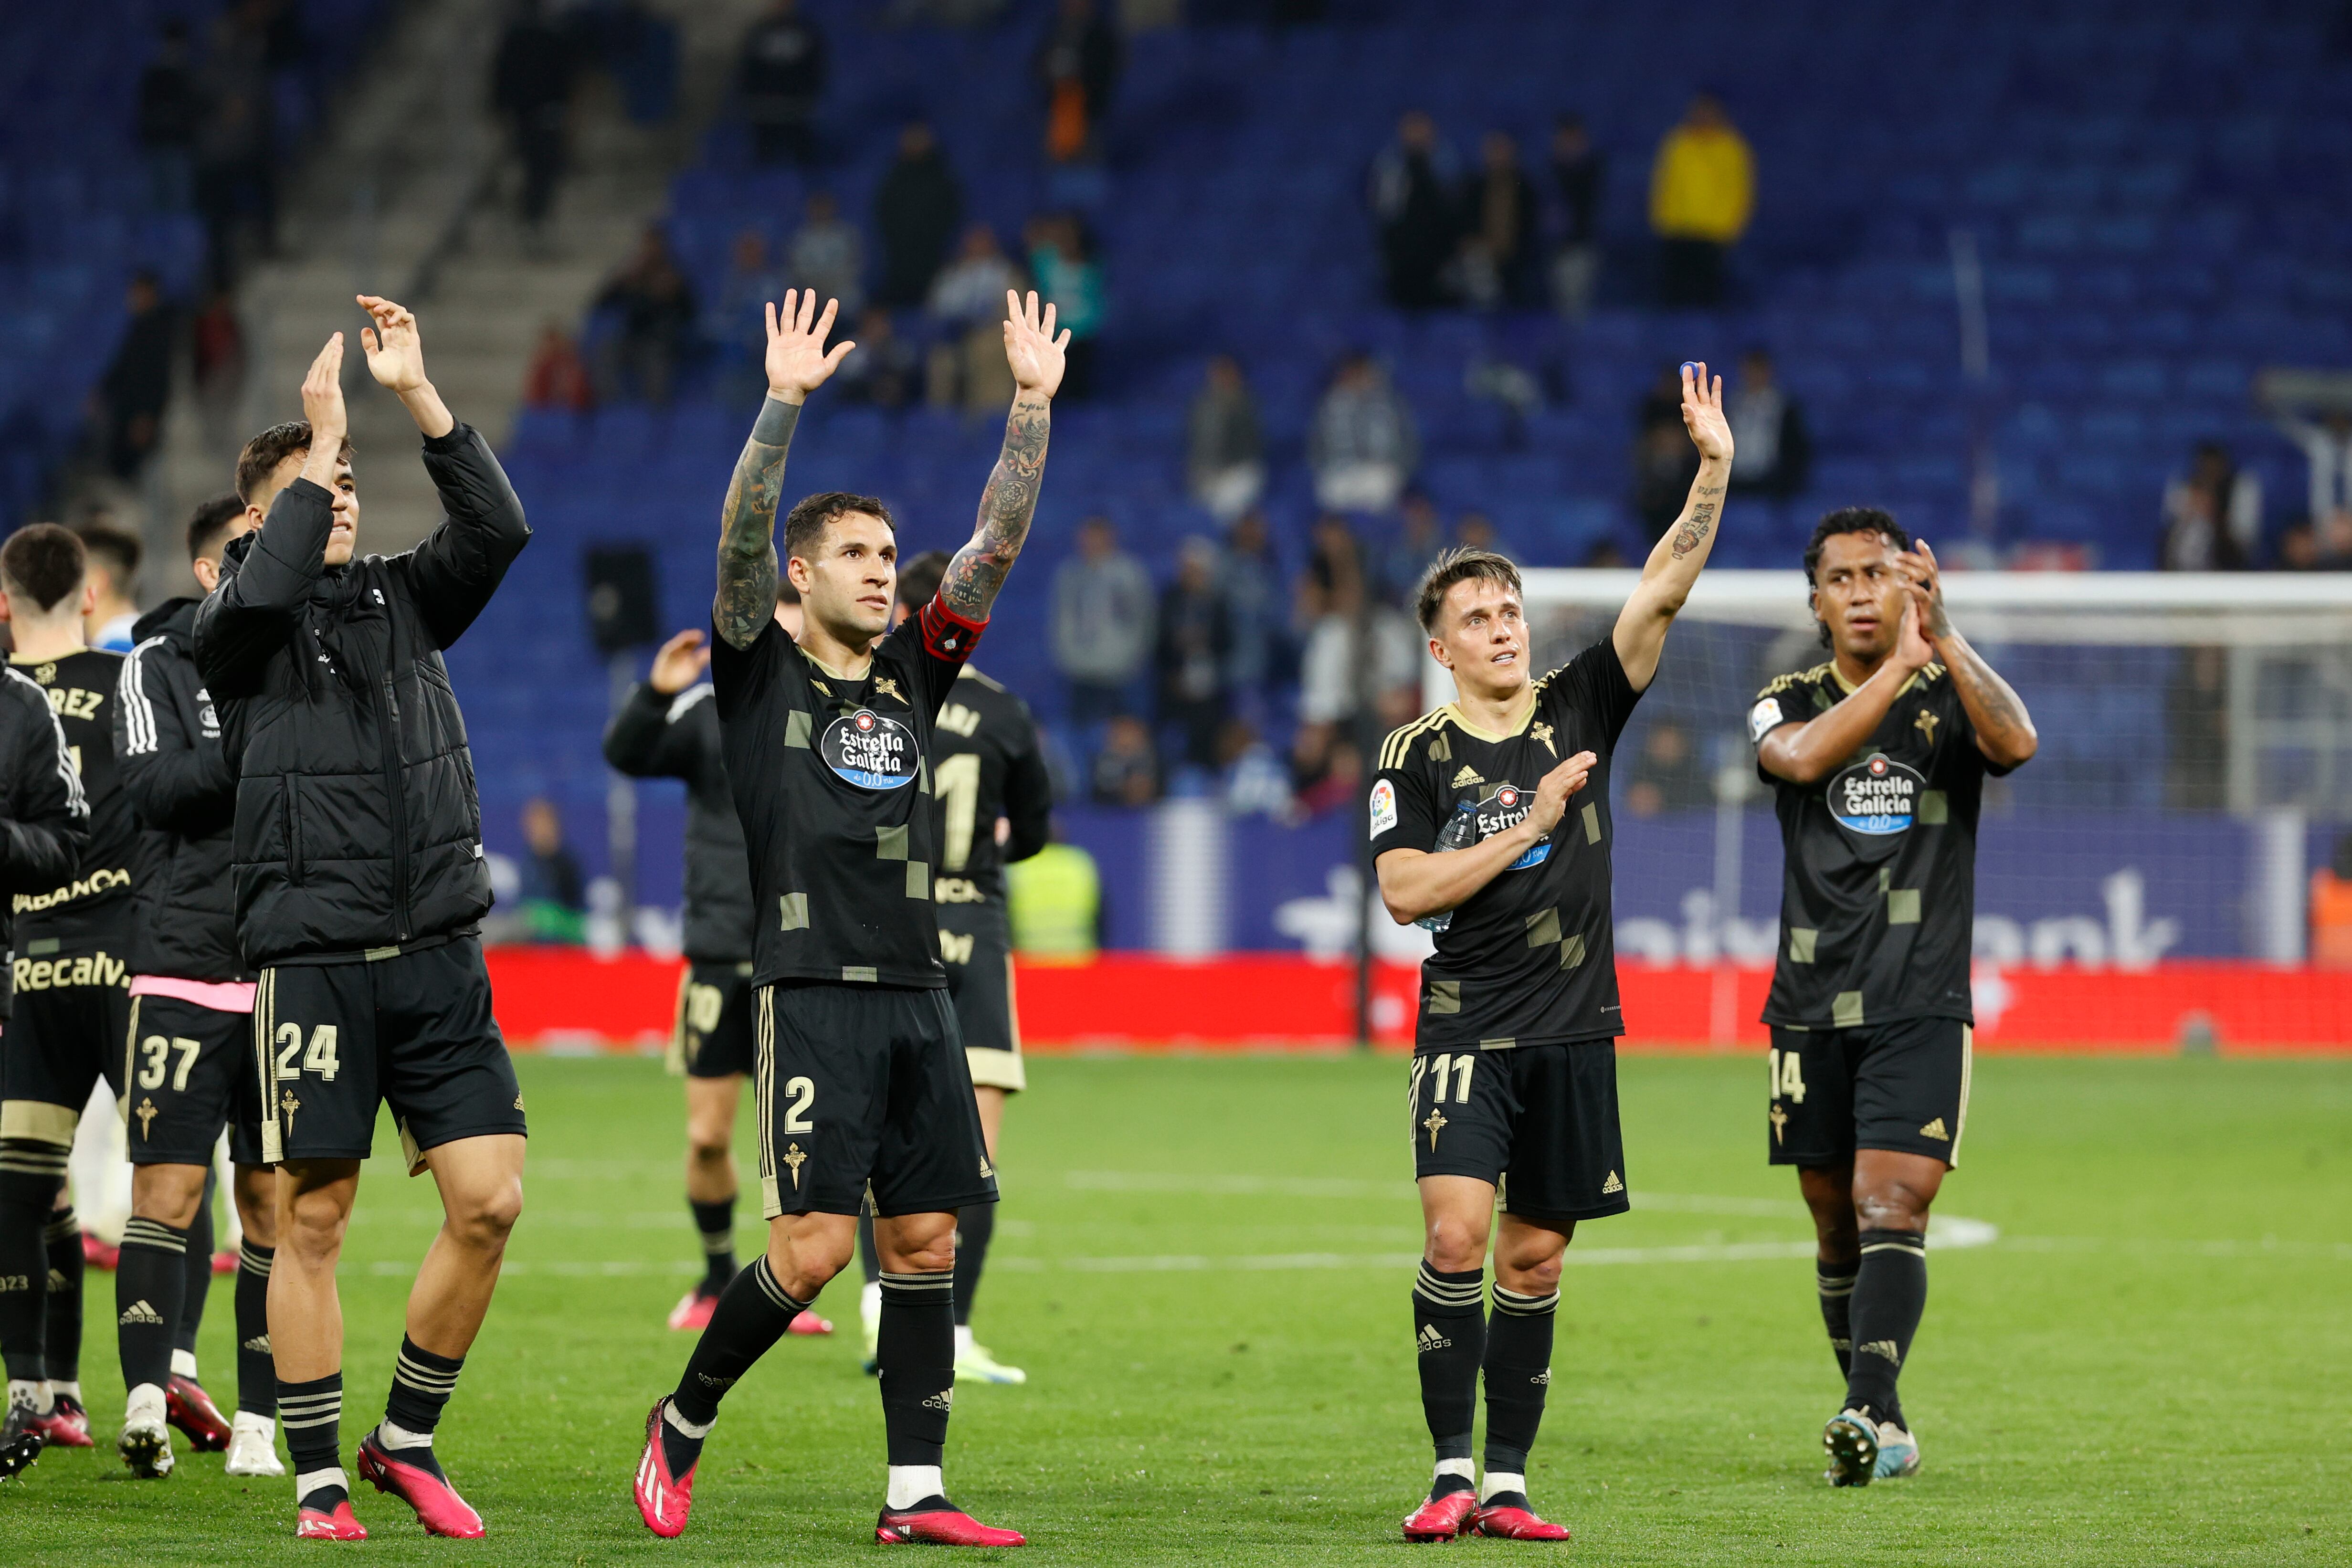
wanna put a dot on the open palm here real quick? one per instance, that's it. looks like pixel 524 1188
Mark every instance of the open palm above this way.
pixel 1703 415
pixel 395 354
pixel 797 362
pixel 1033 351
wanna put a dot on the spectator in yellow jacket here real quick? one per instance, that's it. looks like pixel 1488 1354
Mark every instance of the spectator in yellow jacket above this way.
pixel 1702 193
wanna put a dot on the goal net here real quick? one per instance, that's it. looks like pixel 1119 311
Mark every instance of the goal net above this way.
pixel 2165 872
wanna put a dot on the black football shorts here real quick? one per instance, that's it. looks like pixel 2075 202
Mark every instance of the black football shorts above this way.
pixel 190 1071
pixel 412 1030
pixel 1901 1086
pixel 715 1006
pixel 1537 1121
pixel 865 1088
pixel 64 1034
pixel 976 948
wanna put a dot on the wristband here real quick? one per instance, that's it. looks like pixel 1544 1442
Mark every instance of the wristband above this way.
pixel 776 421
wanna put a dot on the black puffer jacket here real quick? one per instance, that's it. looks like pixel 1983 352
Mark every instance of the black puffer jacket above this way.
pixel 44 820
pixel 659 737
pixel 358 826
pixel 169 758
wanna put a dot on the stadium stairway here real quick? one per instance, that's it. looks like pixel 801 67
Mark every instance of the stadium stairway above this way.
pixel 413 196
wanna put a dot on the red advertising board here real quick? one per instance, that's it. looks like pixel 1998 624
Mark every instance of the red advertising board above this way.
pixel 564 998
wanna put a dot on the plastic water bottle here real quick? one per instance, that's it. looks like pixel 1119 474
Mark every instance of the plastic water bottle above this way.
pixel 1460 831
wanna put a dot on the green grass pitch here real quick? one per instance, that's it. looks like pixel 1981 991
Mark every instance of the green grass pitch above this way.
pixel 1203 1265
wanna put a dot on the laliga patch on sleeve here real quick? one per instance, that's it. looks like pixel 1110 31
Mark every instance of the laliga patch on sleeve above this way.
pixel 1384 811
pixel 1763 717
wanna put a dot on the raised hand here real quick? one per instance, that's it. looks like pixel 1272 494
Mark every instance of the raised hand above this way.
pixel 1918 566
pixel 678 663
pixel 1703 416
pixel 1554 789
pixel 797 362
pixel 322 399
pixel 1912 651
pixel 1033 351
pixel 395 354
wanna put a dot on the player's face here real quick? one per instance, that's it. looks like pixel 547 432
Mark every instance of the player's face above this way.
pixel 1858 592
pixel 343 529
pixel 1482 637
pixel 851 577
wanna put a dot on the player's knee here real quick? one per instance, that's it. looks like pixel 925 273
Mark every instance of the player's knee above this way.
pixel 167 1194
pixel 313 1226
pixel 484 1219
pixel 1455 1246
pixel 707 1144
pixel 1892 1206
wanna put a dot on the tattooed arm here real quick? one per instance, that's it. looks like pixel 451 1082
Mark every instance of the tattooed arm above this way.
pixel 798 364
pixel 2005 732
pixel 1674 565
pixel 1009 500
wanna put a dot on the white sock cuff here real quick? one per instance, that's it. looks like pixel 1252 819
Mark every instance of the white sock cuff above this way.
pixel 1463 1468
pixel 697 1430
pixel 310 1481
pixel 1498 1481
pixel 146 1397
pixel 65 1388
pixel 396 1436
pixel 910 1484
pixel 183 1364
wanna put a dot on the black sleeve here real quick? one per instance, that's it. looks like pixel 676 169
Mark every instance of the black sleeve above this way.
pixel 1403 809
pixel 262 586
pixel 1028 793
pixel 942 641
pixel 46 820
pixel 176 779
pixel 460 564
pixel 740 676
pixel 1594 682
pixel 657 737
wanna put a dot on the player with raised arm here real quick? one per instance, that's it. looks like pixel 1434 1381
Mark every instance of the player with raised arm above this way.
pixel 992 804
pixel 1490 824
pixel 360 886
pixel 669 729
pixel 190 1070
pixel 861 1082
pixel 73 1005
pixel 1877 760
pixel 44 830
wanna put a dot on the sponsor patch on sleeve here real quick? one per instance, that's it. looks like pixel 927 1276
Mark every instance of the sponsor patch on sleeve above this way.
pixel 1384 810
pixel 1763 717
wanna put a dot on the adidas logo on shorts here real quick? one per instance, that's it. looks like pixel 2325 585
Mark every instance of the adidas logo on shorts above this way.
pixel 1935 1130
pixel 1613 1184
pixel 140 1313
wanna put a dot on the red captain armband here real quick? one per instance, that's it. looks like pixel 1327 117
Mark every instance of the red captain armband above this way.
pixel 947 635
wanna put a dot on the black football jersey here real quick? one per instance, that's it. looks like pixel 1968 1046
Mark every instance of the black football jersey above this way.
pixel 1529 958
pixel 986 763
pixel 1878 892
pixel 833 780
pixel 94 909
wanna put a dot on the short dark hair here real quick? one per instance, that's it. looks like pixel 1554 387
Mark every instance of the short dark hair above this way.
pixel 45 563
pixel 920 579
pixel 1461 564
pixel 209 525
pixel 117 548
pixel 264 452
pixel 805 524
pixel 1849 521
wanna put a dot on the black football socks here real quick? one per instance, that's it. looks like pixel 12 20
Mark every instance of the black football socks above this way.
pixel 312 1414
pixel 715 1222
pixel 61 1239
pixel 752 1315
pixel 198 1263
pixel 150 1285
pixel 256 1370
pixel 1449 1323
pixel 30 1171
pixel 1890 1293
pixel 975 1227
pixel 1836 1283
pixel 422 1383
pixel 1518 1375
pixel 915 1353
